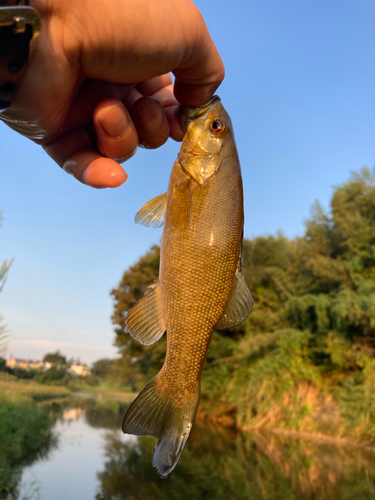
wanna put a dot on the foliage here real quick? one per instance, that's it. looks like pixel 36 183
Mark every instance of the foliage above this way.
pixel 312 330
pixel 102 367
pixel 25 434
pixel 22 373
pixel 55 376
pixel 106 371
pixel 55 358
pixel 5 266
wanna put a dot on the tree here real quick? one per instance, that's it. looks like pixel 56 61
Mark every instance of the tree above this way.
pixel 54 376
pixel 2 365
pixel 338 262
pixel 55 358
pixel 102 367
pixel 22 373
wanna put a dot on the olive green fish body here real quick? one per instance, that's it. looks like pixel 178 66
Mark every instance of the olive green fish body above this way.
pixel 198 264
pixel 200 286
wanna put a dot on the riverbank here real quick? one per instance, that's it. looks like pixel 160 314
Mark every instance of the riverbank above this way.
pixel 306 412
pixel 25 435
pixel 322 424
pixel 104 393
pixel 19 391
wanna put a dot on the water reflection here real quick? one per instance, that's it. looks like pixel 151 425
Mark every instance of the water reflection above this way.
pixel 253 467
pixel 71 469
pixel 94 460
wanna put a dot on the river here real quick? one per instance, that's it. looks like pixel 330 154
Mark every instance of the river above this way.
pixel 94 460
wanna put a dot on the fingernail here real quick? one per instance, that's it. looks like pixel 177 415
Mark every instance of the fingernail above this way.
pixel 150 117
pixel 69 167
pixel 126 158
pixel 103 173
pixel 114 121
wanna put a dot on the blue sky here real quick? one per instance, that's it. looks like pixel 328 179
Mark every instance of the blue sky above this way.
pixel 300 90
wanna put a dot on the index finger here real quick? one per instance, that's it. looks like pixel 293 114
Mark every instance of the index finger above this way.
pixel 202 70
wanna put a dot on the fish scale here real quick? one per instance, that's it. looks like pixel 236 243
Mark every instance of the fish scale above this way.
pixel 200 286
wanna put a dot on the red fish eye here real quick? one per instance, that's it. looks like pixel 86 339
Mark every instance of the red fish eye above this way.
pixel 217 126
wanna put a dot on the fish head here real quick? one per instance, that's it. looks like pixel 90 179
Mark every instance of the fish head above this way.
pixel 208 138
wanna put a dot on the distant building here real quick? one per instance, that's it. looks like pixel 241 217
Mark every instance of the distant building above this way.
pixel 18 363
pixel 79 370
pixel 28 364
pixel 36 365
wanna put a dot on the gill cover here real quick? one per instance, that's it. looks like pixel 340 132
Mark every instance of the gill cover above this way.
pixel 201 151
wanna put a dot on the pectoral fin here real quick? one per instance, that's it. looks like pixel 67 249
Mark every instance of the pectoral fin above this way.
pixel 239 305
pixel 145 321
pixel 152 214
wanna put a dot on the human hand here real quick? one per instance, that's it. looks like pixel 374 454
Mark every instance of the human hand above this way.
pixel 98 82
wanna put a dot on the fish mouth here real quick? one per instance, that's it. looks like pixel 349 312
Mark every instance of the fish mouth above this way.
pixel 188 114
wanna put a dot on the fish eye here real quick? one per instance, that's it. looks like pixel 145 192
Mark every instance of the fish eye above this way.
pixel 217 126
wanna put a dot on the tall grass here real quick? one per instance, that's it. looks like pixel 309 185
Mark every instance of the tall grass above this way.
pixel 17 391
pixel 25 435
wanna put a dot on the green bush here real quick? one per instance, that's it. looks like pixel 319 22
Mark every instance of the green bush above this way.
pixel 53 376
pixel 25 435
pixel 23 374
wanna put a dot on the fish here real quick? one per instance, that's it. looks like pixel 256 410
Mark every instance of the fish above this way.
pixel 201 285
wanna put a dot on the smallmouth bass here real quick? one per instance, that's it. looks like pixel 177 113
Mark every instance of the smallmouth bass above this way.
pixel 200 286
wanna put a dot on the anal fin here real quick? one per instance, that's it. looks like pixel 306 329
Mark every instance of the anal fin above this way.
pixel 152 214
pixel 239 305
pixel 145 321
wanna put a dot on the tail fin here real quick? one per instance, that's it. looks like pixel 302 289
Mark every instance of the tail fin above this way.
pixel 154 415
